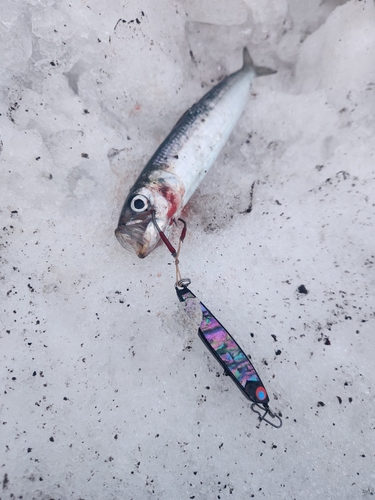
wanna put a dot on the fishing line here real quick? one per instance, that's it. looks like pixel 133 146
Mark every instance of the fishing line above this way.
pixel 221 344
pixel 175 253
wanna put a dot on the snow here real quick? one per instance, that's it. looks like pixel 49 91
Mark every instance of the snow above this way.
pixel 107 392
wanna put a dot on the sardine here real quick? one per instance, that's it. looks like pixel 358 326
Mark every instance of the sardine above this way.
pixel 178 166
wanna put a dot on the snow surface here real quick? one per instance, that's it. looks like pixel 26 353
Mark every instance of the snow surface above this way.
pixel 106 391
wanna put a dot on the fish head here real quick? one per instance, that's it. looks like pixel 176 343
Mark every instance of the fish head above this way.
pixel 136 230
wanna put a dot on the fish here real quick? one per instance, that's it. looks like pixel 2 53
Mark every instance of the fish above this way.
pixel 180 163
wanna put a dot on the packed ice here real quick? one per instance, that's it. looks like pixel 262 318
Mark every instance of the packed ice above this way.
pixel 107 392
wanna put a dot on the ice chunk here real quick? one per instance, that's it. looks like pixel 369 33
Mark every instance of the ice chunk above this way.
pixel 270 12
pixel 52 25
pixel 338 57
pixel 213 12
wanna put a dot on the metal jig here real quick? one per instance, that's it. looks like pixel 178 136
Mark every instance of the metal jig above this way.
pixel 232 358
pixel 222 345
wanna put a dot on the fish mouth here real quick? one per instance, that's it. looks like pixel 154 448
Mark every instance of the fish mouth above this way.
pixel 138 238
pixel 130 244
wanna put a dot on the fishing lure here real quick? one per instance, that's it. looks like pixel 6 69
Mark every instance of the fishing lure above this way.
pixel 180 163
pixel 164 187
pixel 232 358
pixel 223 346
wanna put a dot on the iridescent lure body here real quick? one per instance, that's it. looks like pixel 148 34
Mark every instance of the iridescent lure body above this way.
pixel 233 359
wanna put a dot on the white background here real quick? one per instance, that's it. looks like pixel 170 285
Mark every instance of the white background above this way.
pixel 106 391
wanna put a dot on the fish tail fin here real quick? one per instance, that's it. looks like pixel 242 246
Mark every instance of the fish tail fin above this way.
pixel 248 63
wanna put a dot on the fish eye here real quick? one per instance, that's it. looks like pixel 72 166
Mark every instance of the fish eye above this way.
pixel 139 203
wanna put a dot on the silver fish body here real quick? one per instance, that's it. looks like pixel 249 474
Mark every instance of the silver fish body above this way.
pixel 178 166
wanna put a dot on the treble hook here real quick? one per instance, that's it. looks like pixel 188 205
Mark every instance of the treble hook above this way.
pixel 267 411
